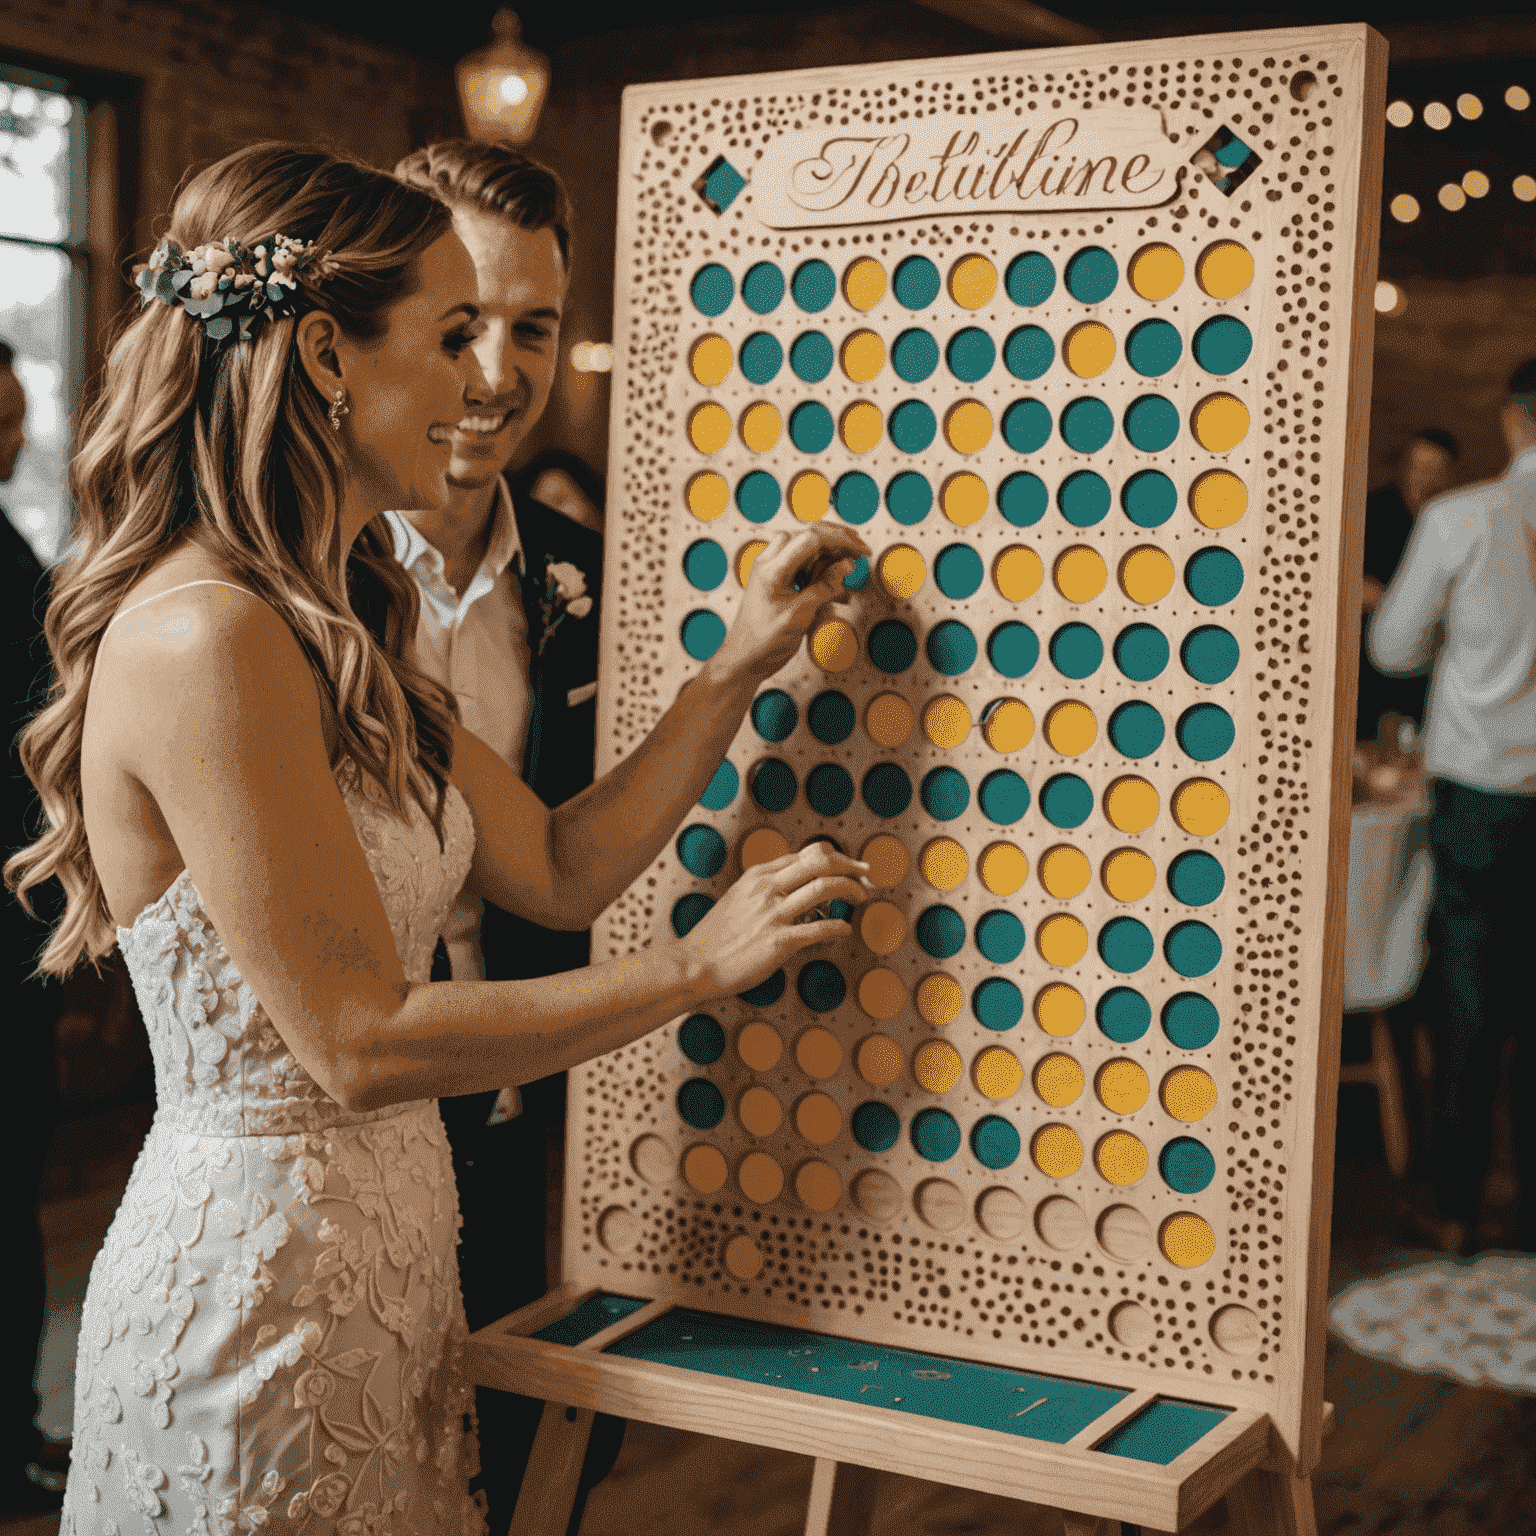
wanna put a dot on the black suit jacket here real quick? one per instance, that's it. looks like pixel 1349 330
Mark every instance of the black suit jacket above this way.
pixel 561 748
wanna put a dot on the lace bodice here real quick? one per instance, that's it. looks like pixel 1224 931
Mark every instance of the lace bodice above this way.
pixel 221 1069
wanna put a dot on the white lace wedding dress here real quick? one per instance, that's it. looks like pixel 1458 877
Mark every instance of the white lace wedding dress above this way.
pixel 273 1331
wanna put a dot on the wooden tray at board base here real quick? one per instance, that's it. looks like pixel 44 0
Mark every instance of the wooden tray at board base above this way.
pixel 1073 1476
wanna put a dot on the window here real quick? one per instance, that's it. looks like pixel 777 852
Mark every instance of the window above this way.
pixel 43 287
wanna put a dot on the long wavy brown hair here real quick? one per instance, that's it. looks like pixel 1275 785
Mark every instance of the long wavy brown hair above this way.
pixel 232 449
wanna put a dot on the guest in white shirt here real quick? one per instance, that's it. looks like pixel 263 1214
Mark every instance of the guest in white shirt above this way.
pixel 1465 597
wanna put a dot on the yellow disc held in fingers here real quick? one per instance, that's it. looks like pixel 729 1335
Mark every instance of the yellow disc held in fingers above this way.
pixel 763 846
pixel 1122 1087
pixel 863 356
pixel 1003 868
pixel 1090 349
pixel 1080 574
pixel 710 359
pixel 1062 940
pixel 1056 1151
pixel 1131 804
pixel 1009 727
pixel 1156 271
pixel 937 1066
pixel 862 427
pixel 1060 1010
pixel 760 1111
pixel 1059 1081
pixel 864 283
pixel 889 720
pixel 746 558
pixel 882 994
pixel 888 860
pixel 818 1187
pixel 964 499
pixel 946 721
pixel 1224 269
pixel 709 428
pixel 968 427
pixel 1017 573
pixel 1218 498
pixel 761 426
pixel 708 496
pixel 1189 1094
pixel 834 645
pixel 944 863
pixel 879 1060
pixel 1120 1158
pixel 1220 423
pixel 819 1052
pixel 761 1178
pixel 1187 1241
pixel 972 282
pixel 1201 807
pixel 1146 574
pixel 939 999
pixel 1071 728
pixel 705 1168
pixel 883 926
pixel 902 571
pixel 759 1046
pixel 1129 874
pixel 997 1073
pixel 809 496
pixel 1064 872
pixel 818 1119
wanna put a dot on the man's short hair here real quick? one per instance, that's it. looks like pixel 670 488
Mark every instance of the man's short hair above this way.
pixel 7 354
pixel 1522 384
pixel 495 179
pixel 1440 438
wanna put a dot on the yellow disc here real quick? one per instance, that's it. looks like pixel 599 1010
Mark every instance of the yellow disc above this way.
pixel 888 860
pixel 997 1073
pixel 1122 1086
pixel 863 356
pixel 818 1119
pixel 762 846
pixel 937 1066
pixel 968 427
pixel 883 926
pixel 761 426
pixel 709 428
pixel 1089 349
pixel 1058 1080
pixel 1057 1152
pixel 834 645
pixel 1064 872
pixel 1146 574
pixel 1220 423
pixel 972 281
pixel 705 1168
pixel 1120 1158
pixel 1003 869
pixel 882 994
pixel 1071 729
pixel 710 359
pixel 1131 804
pixel 902 571
pixel 1187 1240
pixel 864 283
pixel 939 999
pixel 818 1186
pixel 1218 498
pixel 1224 269
pixel 1201 807
pixel 879 1060
pixel 708 496
pixel 1017 573
pixel 861 426
pixel 1009 726
pixel 964 499
pixel 1060 1009
pixel 809 496
pixel 743 1257
pixel 888 720
pixel 1189 1094
pixel 946 721
pixel 1156 271
pixel 1079 574
pixel 943 863
pixel 761 1179
pixel 759 1046
pixel 1128 874
pixel 819 1052
pixel 1062 940
pixel 760 1111
pixel 746 558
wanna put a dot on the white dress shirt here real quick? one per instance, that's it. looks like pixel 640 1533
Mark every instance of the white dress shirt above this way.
pixel 1469 572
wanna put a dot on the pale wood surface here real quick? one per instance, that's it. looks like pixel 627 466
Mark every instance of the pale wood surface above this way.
pixel 554 1471
pixel 842 1501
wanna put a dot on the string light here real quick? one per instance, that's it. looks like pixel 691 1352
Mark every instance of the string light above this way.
pixel 1524 188
pixel 1399 114
pixel 1405 208
pixel 1469 106
pixel 1390 299
pixel 1517 97
pixel 592 357
pixel 1452 198
pixel 1437 115
pixel 1475 184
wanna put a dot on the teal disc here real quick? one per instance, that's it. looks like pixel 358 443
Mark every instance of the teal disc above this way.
pixel 912 426
pixel 995 1142
pixel 1190 1021
pixel 701 851
pixel 1083 498
pixel 1141 652
pixel 762 289
pixel 1087 424
pixel 829 789
pixel 704 564
pixel 915 282
pixel 1125 945
pixel 822 987
pixel 1003 797
pixel 1000 936
pixel 951 648
pixel 856 498
pixel 1066 801
pixel 831 717
pixel 766 993
pixel 1153 347
pixel 1210 654
pixel 858 578
pixel 700 1104
pixel 914 356
pixel 958 570
pixel 1123 1015
pixel 1028 352
pixel 940 932
pixel 1076 651
pixel 773 785
pixel 721 789
pixel 1222 345
pixel 702 633
pixel 1213 576
pixel 1026 426
pixel 758 496
pixel 774 715
pixel 1192 949
pixel 1022 499
pixel 909 498
pixel 813 286
pixel 1136 729
pixel 1031 279
pixel 761 357
pixel 712 290
pixel 935 1135
pixel 970 354
pixel 1013 649
pixel 1206 732
pixel 945 794
pixel 810 426
pixel 1195 878
pixel 1151 423
pixel 997 1003
pixel 892 647
pixel 688 911
pixel 875 1126
pixel 701 1039
pixel 1186 1165
pixel 811 356
pixel 887 790
pixel 1092 275
pixel 1149 498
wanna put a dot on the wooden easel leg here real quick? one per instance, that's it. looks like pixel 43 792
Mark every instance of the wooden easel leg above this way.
pixel 554 1470
pixel 1272 1504
pixel 1088 1525
pixel 842 1499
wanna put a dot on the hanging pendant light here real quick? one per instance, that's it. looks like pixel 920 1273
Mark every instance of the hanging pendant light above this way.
pixel 502 86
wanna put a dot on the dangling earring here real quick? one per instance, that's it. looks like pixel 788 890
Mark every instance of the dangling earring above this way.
pixel 339 408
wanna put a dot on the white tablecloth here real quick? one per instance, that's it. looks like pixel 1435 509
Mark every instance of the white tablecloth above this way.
pixel 1391 884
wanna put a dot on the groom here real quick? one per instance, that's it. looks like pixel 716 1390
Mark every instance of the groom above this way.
pixel 509 622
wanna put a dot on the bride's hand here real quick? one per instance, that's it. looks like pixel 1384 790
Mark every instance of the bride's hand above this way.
pixel 755 927
pixel 774 617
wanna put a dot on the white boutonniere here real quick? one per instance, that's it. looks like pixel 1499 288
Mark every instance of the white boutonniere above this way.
pixel 565 592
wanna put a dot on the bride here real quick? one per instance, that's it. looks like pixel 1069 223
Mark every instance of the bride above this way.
pixel 252 790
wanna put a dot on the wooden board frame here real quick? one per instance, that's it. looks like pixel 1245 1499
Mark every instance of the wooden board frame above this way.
pixel 1310 102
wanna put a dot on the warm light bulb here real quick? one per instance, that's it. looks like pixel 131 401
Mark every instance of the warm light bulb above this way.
pixel 1452 198
pixel 514 89
pixel 1405 209
pixel 581 356
pixel 1475 184
pixel 1399 114
pixel 1469 106
pixel 1517 97
pixel 1389 299
pixel 1524 187
pixel 1437 115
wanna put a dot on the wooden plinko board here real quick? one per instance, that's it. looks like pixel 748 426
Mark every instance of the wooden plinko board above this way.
pixel 1081 339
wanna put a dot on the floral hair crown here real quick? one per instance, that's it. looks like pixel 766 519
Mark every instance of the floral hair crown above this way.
pixel 229 286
